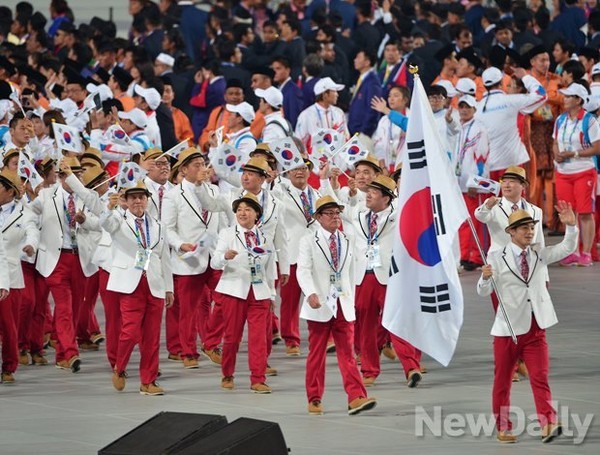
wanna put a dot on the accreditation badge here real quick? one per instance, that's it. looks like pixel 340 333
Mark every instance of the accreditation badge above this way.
pixel 373 257
pixel 142 259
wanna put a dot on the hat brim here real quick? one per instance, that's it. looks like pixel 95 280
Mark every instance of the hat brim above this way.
pixel 515 176
pixel 256 206
pixel 97 180
pixel 90 157
pixel 9 183
pixel 326 206
pixel 373 165
pixel 382 188
pixel 250 168
pixel 520 222
pixel 137 190
pixel 187 159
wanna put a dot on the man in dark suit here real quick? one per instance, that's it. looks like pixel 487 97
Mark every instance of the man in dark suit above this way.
pixel 293 101
pixel 365 35
pixel 231 57
pixel 295 50
pixel 154 35
pixel 361 118
pixel 193 21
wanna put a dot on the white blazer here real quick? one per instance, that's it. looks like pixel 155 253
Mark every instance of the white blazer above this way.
pixel 182 218
pixel 153 200
pixel 386 228
pixel 16 233
pixel 292 211
pixel 124 277
pixel 314 272
pixel 237 278
pixel 49 204
pixel 521 297
pixel 4 267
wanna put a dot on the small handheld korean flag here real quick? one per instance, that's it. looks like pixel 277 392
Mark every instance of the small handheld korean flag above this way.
pixel 286 153
pixel 175 151
pixel 226 161
pixel 483 184
pixel 352 151
pixel 129 175
pixel 67 138
pixel 116 135
pixel 325 142
pixel 27 171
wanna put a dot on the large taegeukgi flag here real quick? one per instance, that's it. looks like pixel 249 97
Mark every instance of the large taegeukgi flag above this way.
pixel 424 300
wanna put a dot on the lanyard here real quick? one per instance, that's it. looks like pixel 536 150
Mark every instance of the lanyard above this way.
pixel 572 131
pixel 320 119
pixel 339 253
pixel 138 236
pixel 371 241
pixel 67 214
pixel 464 146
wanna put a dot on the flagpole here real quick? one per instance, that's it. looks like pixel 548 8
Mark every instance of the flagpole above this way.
pixel 494 285
pixel 104 181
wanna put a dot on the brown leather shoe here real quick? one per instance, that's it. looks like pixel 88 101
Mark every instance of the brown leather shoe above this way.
pixel 389 352
pixel 119 380
pixel 88 346
pixel 270 371
pixel 62 365
pixel 227 383
pixel 74 364
pixel 369 382
pixel 215 355
pixel 506 437
pixel 522 369
pixel 516 377
pixel 7 378
pixel 292 351
pixel 260 387
pixel 361 404
pixel 174 358
pixel 276 339
pixel 97 338
pixel 190 363
pixel 315 408
pixel 38 359
pixel 414 377
pixel 151 389
pixel 551 431
pixel 23 358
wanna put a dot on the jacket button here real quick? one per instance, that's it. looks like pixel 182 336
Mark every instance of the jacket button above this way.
pixel 529 300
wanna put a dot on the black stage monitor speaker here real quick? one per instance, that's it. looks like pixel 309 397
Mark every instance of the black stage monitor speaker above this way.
pixel 164 431
pixel 241 437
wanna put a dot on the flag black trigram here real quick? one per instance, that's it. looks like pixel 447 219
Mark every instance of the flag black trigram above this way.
pixel 393 267
pixel 435 299
pixel 438 214
pixel 416 154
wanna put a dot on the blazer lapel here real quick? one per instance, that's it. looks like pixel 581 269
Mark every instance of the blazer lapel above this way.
pixel 14 217
pixel 57 209
pixel 509 260
pixel 192 205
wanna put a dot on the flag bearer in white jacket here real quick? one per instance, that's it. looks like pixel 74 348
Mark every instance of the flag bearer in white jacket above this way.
pixel 326 277
pixel 16 237
pixel 141 273
pixel 520 271
pixel 246 290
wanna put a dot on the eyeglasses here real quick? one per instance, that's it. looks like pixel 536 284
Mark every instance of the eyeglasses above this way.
pixel 332 214
pixel 162 163
pixel 437 97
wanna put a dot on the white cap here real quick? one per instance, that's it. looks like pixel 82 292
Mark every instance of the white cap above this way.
pixel 272 96
pixel 104 90
pixel 325 84
pixel 67 106
pixel 450 90
pixel 596 69
pixel 592 105
pixel 150 95
pixel 137 116
pixel 491 76
pixel 576 89
pixel 466 86
pixel 165 59
pixel 470 100
pixel 244 109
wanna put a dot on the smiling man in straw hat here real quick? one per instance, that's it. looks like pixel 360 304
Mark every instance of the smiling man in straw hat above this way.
pixel 520 270
pixel 326 277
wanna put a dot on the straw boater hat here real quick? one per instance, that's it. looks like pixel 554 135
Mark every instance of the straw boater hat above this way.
pixel 11 178
pixel 73 163
pixel 45 165
pixel 188 155
pixel 516 172
pixel 9 154
pixel 140 187
pixel 263 149
pixel 326 202
pixel 152 154
pixel 93 176
pixel 249 199
pixel 257 164
pixel 174 173
pixel 385 184
pixel 397 172
pixel 519 218
pixel 92 157
pixel 371 161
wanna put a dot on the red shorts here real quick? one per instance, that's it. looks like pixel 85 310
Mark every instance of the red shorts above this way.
pixel 579 189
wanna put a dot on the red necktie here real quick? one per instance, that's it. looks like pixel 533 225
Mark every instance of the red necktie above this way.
pixel 161 193
pixel 204 215
pixel 139 222
pixel 250 239
pixel 524 265
pixel 515 207
pixel 334 251
pixel 71 211
pixel 306 206
pixel 373 225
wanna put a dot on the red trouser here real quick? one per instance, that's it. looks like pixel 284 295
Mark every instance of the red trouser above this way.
pixel 210 317
pixel 235 313
pixel 112 316
pixel 468 246
pixel 9 321
pixel 34 299
pixel 87 324
pixel 182 317
pixel 410 357
pixel 141 315
pixel 290 309
pixel 343 334
pixel 370 297
pixel 533 349
pixel 66 285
